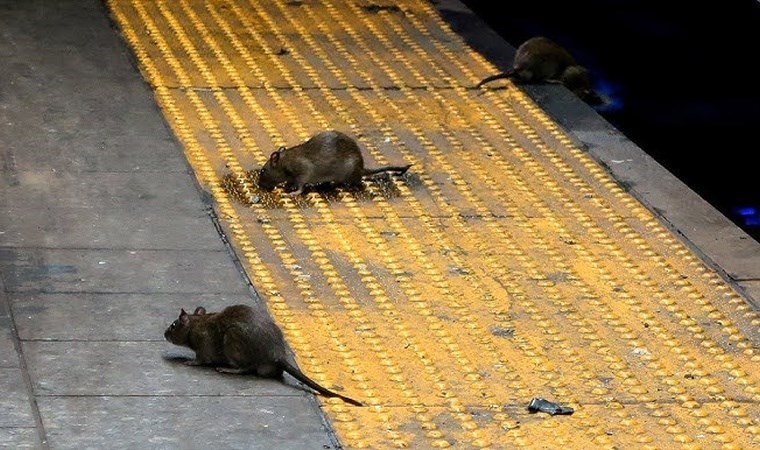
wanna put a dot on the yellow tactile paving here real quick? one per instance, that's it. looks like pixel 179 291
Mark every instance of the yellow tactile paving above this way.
pixel 506 265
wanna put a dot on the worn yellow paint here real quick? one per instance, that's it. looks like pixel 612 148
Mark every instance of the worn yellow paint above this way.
pixel 506 265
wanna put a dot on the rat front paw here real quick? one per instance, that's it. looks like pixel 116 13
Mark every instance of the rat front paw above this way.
pixel 229 370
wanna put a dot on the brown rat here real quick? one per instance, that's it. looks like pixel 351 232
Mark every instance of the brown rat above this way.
pixel 541 60
pixel 327 157
pixel 238 340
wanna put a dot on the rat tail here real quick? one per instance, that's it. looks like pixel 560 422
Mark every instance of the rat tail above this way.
pixel 296 373
pixel 398 169
pixel 508 74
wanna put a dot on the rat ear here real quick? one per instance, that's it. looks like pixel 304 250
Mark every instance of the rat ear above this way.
pixel 274 158
pixel 199 311
pixel 184 319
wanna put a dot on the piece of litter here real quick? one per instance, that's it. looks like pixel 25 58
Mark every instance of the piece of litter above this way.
pixel 539 404
pixel 640 351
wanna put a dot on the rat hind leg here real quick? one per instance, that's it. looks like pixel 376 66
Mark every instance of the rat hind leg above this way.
pixel 269 371
pixel 355 186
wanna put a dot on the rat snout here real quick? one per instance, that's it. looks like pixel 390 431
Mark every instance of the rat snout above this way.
pixel 168 331
pixel 265 181
pixel 592 98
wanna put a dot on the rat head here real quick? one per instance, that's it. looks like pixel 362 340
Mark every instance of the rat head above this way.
pixel 578 79
pixel 272 173
pixel 176 333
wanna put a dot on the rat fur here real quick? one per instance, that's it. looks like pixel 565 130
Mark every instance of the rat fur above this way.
pixel 541 60
pixel 238 340
pixel 327 157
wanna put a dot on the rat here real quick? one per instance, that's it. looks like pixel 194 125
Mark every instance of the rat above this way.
pixel 238 340
pixel 541 60
pixel 327 157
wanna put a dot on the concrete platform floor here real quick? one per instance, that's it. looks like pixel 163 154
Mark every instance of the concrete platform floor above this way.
pixel 109 225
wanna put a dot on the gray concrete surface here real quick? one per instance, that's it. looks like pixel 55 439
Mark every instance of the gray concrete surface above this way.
pixel 104 236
